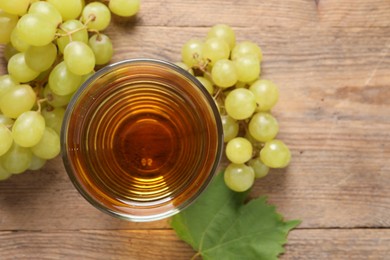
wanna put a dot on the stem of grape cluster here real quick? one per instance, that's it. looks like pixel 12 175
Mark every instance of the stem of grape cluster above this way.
pixel 39 102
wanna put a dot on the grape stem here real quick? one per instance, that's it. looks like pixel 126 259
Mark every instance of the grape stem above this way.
pixel 91 18
pixel 39 102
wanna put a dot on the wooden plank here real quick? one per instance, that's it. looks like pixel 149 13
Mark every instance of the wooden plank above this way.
pixel 163 244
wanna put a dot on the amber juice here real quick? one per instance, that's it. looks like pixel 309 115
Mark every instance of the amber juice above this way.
pixel 141 139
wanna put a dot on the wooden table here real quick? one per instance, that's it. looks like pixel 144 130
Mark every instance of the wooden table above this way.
pixel 331 60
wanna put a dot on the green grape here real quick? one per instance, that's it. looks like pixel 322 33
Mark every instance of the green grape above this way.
pixel 49 146
pixel 19 70
pixel 248 68
pixel 55 100
pixel 54 118
pixel 191 52
pixel 62 81
pixel 7 24
pixel 266 94
pixel 240 104
pixel 40 58
pixel 230 128
pixel 239 177
pixel 215 49
pixel 48 10
pixel 246 48
pixel 79 58
pixel 17 159
pixel 125 8
pixel 263 126
pixel 224 73
pixel 5 120
pixel 97 15
pixel 5 139
pixel 17 7
pixel 224 32
pixel 28 128
pixel 207 84
pixel 17 100
pixel 6 83
pixel 36 163
pixel 36 29
pixel 9 51
pixel 69 9
pixel 239 150
pixel 17 42
pixel 101 46
pixel 3 173
pixel 260 169
pixel 77 31
pixel 275 154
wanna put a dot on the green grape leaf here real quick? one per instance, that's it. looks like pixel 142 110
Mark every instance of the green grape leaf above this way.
pixel 220 225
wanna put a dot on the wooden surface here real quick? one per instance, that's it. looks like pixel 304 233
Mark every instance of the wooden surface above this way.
pixel 331 60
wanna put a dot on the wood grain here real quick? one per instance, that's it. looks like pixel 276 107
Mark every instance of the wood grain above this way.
pixel 331 61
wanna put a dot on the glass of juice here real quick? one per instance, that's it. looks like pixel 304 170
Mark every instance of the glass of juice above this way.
pixel 141 139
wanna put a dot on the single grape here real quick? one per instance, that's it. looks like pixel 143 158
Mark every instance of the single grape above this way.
pixel 96 16
pixel 239 177
pixel 48 10
pixel 49 145
pixel 62 81
pixel 19 44
pixel 263 126
pixel 17 100
pixel 101 46
pixel 275 154
pixel 248 68
pixel 246 48
pixel 215 49
pixel 36 29
pixel 125 8
pixel 191 52
pixel 260 169
pixel 3 173
pixel 239 150
pixel 6 83
pixel 240 104
pixel 69 9
pixel 54 117
pixel 230 128
pixel 207 84
pixel 224 32
pixel 79 58
pixel 7 24
pixel 5 139
pixel 74 28
pixel 19 70
pixel 17 159
pixel 28 128
pixel 266 94
pixel 17 7
pixel 36 163
pixel 55 100
pixel 224 73
pixel 40 58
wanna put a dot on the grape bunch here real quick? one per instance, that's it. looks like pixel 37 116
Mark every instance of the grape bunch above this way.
pixel 51 47
pixel 230 71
